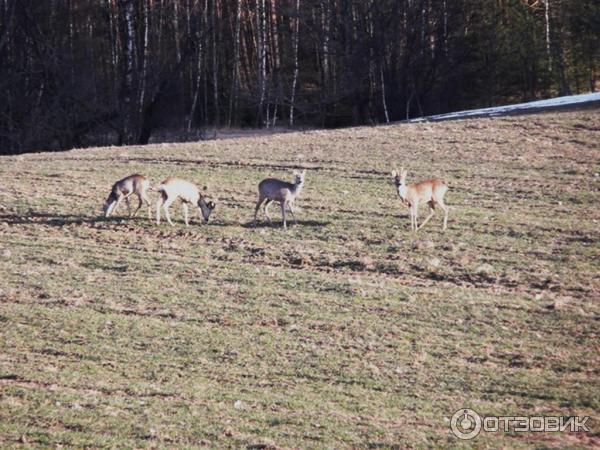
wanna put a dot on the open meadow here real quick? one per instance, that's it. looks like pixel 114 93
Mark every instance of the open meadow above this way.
pixel 345 330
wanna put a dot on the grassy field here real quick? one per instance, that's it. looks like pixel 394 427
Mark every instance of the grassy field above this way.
pixel 346 330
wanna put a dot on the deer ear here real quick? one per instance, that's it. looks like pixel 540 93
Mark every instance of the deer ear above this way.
pixel 303 172
pixel 394 173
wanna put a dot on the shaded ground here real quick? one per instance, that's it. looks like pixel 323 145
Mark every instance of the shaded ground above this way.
pixel 343 331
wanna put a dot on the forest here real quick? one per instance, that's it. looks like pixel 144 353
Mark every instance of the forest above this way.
pixel 79 73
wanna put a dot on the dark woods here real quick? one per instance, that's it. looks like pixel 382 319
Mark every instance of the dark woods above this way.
pixel 75 73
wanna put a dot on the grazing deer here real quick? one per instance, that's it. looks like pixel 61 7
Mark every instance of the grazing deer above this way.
pixel 122 189
pixel 173 188
pixel 271 189
pixel 431 192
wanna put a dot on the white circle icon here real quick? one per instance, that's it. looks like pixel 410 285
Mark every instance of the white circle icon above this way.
pixel 465 424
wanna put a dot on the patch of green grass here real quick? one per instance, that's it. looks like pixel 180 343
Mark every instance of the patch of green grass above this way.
pixel 346 330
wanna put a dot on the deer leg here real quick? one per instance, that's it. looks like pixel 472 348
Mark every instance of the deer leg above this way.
pixel 159 203
pixel 267 204
pixel 140 202
pixel 128 206
pixel 291 208
pixel 445 209
pixel 258 203
pixel 145 198
pixel 110 208
pixel 414 213
pixel 426 220
pixel 116 205
pixel 166 205
pixel 163 202
pixel 283 214
pixel 167 215
pixel 431 210
pixel 185 213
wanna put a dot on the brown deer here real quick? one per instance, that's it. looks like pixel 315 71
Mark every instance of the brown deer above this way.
pixel 430 191
pixel 133 184
pixel 272 189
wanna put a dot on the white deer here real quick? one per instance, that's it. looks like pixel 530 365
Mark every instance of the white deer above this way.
pixel 173 188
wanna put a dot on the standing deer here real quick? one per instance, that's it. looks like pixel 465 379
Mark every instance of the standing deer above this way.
pixel 173 188
pixel 133 184
pixel 431 192
pixel 272 189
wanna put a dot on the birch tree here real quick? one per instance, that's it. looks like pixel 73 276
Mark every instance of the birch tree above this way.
pixel 145 55
pixel 235 71
pixel 199 55
pixel 261 54
pixel 295 38
pixel 129 126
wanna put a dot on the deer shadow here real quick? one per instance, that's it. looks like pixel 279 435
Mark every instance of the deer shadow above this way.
pixel 59 220
pixel 290 223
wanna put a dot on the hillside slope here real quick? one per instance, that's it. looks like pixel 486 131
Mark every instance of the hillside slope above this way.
pixel 346 330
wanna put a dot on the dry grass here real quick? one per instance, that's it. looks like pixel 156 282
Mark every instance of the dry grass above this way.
pixel 343 331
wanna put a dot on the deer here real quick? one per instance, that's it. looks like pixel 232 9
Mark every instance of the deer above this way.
pixel 272 189
pixel 173 188
pixel 133 184
pixel 430 191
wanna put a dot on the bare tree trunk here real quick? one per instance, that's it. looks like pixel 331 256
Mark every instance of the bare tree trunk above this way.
pixel 145 55
pixel 189 68
pixel 113 42
pixel 92 59
pixel 445 8
pixel 127 93
pixel 7 29
pixel 198 70
pixel 326 81
pixel 276 60
pixel 176 31
pixel 71 41
pixel 554 48
pixel 275 37
pixel 245 81
pixel 383 102
pixel 423 26
pixel 262 58
pixel 268 112
pixel 548 44
pixel 350 86
pixel 161 17
pixel 372 77
pixel 296 68
pixel 215 67
pixel 274 115
pixel 235 72
pixel 325 17
pixel 592 78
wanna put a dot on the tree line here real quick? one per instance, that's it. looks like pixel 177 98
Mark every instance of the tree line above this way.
pixel 75 73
